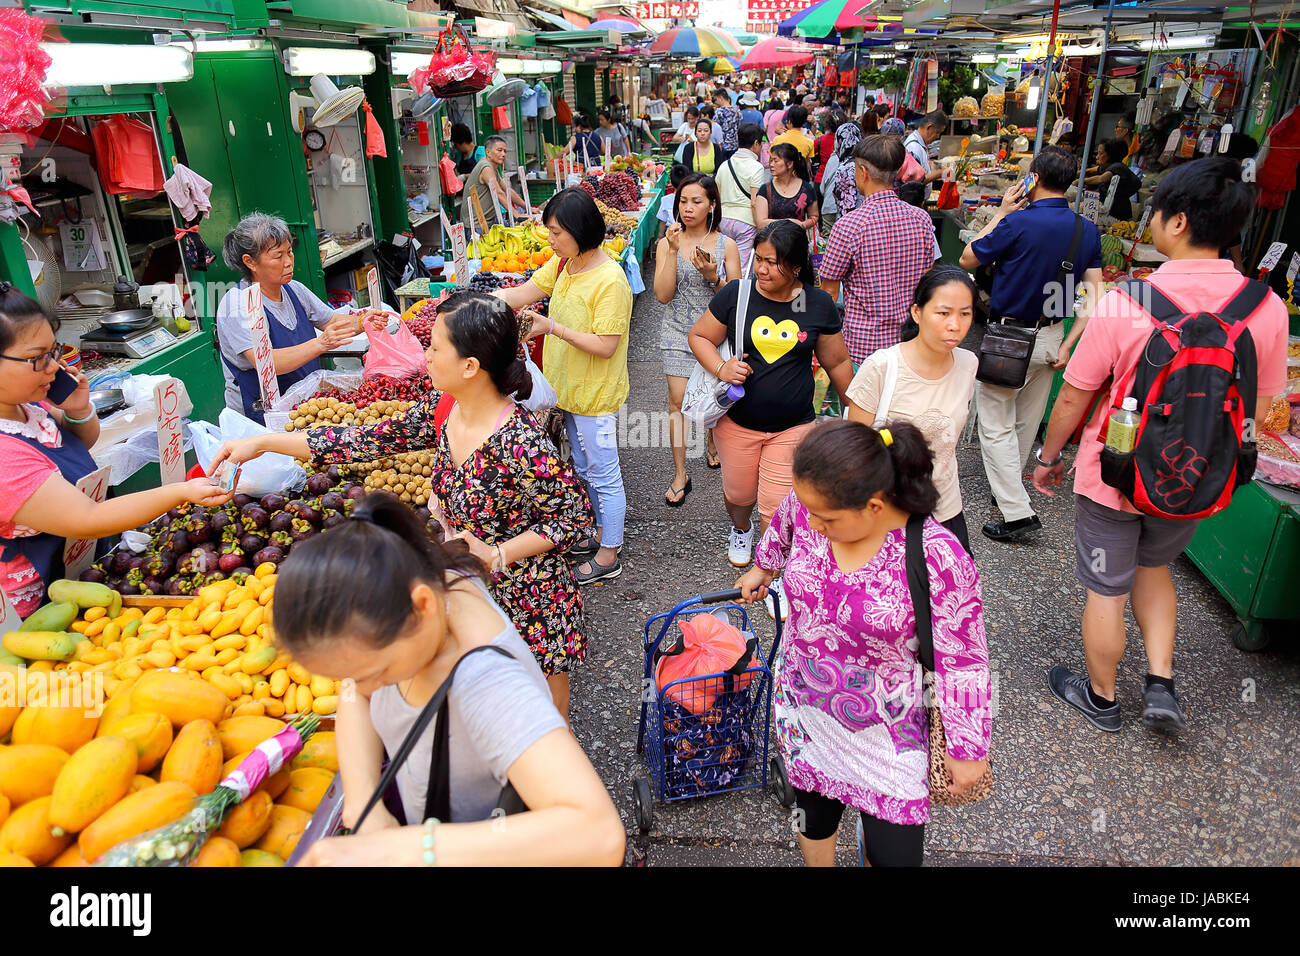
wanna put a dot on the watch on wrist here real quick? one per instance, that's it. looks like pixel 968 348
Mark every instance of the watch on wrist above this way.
pixel 1038 457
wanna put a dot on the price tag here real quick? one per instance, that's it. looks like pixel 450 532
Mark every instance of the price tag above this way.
pixel 1111 191
pixel 458 255
pixel 78 554
pixel 372 287
pixel 1225 134
pixel 1183 88
pixel 1142 225
pixel 510 206
pixel 171 450
pixel 1091 203
pixel 1172 143
pixel 1272 257
pixel 1206 143
pixel 263 361
pixel 523 191
pixel 1294 268
pixel 1248 170
pixel 82 251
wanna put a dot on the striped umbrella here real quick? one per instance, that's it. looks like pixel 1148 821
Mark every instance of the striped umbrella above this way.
pixel 776 53
pixel 719 64
pixel 829 16
pixel 695 42
pixel 621 24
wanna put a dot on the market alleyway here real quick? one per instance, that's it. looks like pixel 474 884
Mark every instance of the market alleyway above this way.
pixel 1226 793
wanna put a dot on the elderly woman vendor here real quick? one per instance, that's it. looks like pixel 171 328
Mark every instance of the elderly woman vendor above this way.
pixel 261 248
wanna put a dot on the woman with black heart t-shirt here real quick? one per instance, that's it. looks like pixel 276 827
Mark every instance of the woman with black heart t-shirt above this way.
pixel 787 322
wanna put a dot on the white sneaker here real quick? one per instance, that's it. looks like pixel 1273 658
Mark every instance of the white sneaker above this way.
pixel 740 547
pixel 780 593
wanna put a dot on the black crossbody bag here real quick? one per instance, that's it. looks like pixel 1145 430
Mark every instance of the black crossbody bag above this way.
pixel 1005 350
pixel 437 799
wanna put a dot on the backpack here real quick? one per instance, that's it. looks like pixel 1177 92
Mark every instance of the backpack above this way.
pixel 1195 386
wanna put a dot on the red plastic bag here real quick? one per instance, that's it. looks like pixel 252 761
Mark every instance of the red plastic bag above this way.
pixel 707 646
pixel 500 117
pixel 455 69
pixel 399 355
pixel 126 156
pixel 563 113
pixel 451 183
pixel 949 196
pixel 375 145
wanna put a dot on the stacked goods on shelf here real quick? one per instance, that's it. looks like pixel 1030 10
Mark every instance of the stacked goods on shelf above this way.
pixel 513 249
pixel 616 223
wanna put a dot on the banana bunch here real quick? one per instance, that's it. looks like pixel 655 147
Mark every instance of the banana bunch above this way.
pixel 510 241
pixel 1127 230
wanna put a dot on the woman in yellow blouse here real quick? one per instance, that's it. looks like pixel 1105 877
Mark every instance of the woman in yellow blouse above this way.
pixel 585 359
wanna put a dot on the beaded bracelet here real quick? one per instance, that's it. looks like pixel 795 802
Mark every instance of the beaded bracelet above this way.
pixel 429 857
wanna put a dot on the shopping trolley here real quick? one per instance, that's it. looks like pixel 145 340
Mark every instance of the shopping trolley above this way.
pixel 706 734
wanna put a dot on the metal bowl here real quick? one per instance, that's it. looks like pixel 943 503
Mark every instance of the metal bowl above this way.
pixel 126 320
pixel 107 400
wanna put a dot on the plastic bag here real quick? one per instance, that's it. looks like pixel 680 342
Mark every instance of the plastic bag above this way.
pixel 305 388
pixel 707 646
pixel 126 456
pixel 260 476
pixel 397 355
pixel 543 397
pixel 451 183
pixel 375 145
pixel 633 270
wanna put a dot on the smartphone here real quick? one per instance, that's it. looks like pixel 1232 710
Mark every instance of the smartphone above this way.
pixel 1029 182
pixel 63 385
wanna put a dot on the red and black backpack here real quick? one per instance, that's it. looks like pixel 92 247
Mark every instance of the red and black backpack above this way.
pixel 1195 385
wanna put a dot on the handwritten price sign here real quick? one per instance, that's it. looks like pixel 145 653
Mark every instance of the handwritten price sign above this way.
pixel 171 450
pixel 262 359
pixel 78 554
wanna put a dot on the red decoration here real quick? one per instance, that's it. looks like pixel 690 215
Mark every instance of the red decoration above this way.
pixel 22 68
pixel 1276 175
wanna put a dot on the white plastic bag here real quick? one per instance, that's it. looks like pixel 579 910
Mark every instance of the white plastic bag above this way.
pixel 125 455
pixel 543 397
pixel 304 389
pixel 262 475
pixel 702 402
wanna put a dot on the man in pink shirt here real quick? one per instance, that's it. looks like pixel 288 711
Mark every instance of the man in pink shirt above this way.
pixel 1198 209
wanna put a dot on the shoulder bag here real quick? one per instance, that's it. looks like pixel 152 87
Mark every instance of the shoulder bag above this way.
pixel 918 585
pixel 437 800
pixel 1005 350
pixel 704 391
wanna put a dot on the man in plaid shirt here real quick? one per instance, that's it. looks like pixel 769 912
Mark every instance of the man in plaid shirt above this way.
pixel 881 249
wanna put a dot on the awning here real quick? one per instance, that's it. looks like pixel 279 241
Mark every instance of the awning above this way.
pixel 551 19
pixel 577 19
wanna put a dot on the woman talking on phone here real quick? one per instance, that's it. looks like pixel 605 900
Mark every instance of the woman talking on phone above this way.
pixel 47 426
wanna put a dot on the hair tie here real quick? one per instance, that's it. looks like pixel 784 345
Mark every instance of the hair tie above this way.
pixel 360 516
pixel 886 437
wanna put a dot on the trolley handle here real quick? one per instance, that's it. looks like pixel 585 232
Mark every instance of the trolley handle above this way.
pixel 734 594
pixel 717 597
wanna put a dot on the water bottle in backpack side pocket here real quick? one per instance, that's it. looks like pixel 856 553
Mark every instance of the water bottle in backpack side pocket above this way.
pixel 1121 430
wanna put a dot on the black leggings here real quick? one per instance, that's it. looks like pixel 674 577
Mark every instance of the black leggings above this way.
pixel 886 844
pixel 957 525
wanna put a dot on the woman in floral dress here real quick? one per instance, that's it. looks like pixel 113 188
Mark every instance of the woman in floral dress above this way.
pixel 850 717
pixel 500 485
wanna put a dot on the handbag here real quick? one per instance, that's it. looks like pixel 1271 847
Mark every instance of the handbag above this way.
pixel 918 585
pixel 437 800
pixel 704 391
pixel 1005 350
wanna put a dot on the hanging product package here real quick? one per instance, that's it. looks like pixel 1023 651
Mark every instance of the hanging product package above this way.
pixel 454 69
pixel 375 145
pixel 500 117
pixel 126 157
pixel 397 355
pixel 451 184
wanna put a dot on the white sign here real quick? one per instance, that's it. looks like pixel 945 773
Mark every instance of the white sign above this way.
pixel 1142 225
pixel 171 449
pixel 523 193
pixel 1272 257
pixel 1110 194
pixel 82 251
pixel 1294 268
pixel 458 255
pixel 1091 203
pixel 1183 89
pixel 262 358
pixel 372 286
pixel 78 554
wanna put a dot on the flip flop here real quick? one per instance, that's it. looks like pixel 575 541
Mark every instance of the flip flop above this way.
pixel 711 459
pixel 683 491
pixel 598 571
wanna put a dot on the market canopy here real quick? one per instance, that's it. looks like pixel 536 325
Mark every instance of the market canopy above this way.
pixel 695 42
pixel 621 24
pixel 829 17
pixel 776 53
pixel 719 64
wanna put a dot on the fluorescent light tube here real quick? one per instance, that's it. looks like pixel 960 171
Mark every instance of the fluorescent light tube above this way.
pixel 308 61
pixel 116 64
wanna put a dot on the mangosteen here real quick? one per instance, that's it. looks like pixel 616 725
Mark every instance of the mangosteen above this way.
pixel 94 574
pixel 220 521
pixel 309 514
pixel 231 560
pixel 332 501
pixel 281 521
pixel 356 492
pixel 302 529
pixel 435 530
pixel 155 526
pixel 270 554
pixel 214 576
pixel 252 543
pixel 240 575
pixel 135 576
pixel 179 541
pixel 174 586
pixel 335 474
pixel 121 561
pixel 332 520
pixel 161 563
pixel 199 529
pixel 126 588
pixel 318 484
pixel 293 506
pixel 138 562
pixel 254 517
pixel 273 502
pixel 152 585
pixel 240 500
pixel 282 540
pixel 423 512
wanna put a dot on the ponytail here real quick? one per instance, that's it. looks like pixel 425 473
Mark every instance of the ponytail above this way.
pixel 356 578
pixel 483 327
pixel 848 463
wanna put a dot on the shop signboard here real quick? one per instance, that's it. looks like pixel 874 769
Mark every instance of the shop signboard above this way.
pixel 171 449
pixel 80 552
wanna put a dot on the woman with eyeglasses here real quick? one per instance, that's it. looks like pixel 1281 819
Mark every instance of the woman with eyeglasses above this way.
pixel 44 452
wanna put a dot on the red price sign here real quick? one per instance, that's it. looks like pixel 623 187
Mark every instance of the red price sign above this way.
pixel 171 450
pixel 78 554
pixel 660 10
pixel 262 359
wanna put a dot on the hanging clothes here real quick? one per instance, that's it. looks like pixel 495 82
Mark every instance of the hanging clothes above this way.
pixel 189 192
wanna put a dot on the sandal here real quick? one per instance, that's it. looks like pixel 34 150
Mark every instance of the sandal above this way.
pixel 711 458
pixel 598 571
pixel 587 545
pixel 682 492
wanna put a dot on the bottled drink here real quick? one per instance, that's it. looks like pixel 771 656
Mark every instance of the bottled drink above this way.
pixel 733 394
pixel 1121 432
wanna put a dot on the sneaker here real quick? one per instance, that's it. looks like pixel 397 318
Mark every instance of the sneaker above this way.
pixel 769 603
pixel 1073 689
pixel 1161 711
pixel 740 547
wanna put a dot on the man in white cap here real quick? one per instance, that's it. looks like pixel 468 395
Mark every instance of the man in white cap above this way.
pixel 749 112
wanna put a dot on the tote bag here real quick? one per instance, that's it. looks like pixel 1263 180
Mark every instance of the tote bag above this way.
pixel 704 391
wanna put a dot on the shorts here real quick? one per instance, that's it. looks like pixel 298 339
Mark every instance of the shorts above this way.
pixel 757 466
pixel 885 843
pixel 1110 545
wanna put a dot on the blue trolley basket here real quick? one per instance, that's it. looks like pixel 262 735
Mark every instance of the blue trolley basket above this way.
pixel 708 733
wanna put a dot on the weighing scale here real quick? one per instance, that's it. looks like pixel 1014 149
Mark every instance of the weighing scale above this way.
pixel 137 343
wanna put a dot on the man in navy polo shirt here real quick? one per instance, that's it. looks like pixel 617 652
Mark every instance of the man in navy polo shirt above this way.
pixel 1028 243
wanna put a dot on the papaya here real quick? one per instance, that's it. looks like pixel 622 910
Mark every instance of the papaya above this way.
pixel 118 706
pixel 151 734
pixel 143 810
pixel 27 833
pixel 139 782
pixel 318 751
pixel 94 778
pixel 28 771
pixel 241 734
pixel 84 594
pixel 218 851
pixel 42 645
pixel 286 827
pixel 178 696
pixel 275 784
pixel 246 822
pixel 67 728
pixel 195 757
pixel 306 789
pixel 8 859
pixel 55 616
pixel 70 857
pixel 246 858
pixel 8 714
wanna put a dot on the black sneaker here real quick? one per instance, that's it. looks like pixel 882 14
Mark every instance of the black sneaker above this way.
pixel 1161 711
pixel 1012 530
pixel 1073 689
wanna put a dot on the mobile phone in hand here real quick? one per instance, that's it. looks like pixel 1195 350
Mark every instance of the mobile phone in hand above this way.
pixel 1028 183
pixel 64 384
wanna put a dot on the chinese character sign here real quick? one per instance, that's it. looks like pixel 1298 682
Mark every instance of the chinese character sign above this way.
pixel 79 553
pixel 171 451
pixel 263 361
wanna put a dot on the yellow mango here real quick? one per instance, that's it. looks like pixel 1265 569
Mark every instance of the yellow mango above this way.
pixel 236 641
pixel 94 614
pixel 153 615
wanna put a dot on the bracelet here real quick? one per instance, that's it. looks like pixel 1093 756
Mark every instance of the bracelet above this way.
pixel 430 825
pixel 69 420
pixel 551 330
pixel 501 558
pixel 719 368
pixel 1038 457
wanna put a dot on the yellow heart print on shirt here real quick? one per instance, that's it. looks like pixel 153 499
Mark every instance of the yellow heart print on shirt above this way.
pixel 774 339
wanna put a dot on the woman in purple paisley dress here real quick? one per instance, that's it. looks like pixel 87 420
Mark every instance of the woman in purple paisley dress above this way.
pixel 499 482
pixel 850 718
